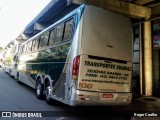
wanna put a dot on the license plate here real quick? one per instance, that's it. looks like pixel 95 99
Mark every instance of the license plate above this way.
pixel 106 96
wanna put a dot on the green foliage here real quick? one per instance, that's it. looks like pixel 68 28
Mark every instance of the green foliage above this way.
pixel 1 49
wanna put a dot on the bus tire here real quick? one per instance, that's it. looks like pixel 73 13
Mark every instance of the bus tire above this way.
pixel 19 82
pixel 48 93
pixel 39 89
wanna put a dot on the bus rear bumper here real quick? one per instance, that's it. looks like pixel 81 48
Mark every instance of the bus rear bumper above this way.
pixel 85 98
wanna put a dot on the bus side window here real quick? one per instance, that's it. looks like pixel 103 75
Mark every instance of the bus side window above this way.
pixel 68 32
pixel 22 49
pixel 44 40
pixel 59 33
pixel 25 47
pixel 29 46
pixel 41 41
pixel 35 44
pixel 52 37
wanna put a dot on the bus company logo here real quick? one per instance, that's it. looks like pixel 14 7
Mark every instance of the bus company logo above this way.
pixel 6 114
pixel 106 95
pixel 21 114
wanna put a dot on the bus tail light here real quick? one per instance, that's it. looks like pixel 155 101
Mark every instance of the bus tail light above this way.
pixel 75 69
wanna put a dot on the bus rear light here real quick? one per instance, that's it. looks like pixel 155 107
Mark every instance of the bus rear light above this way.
pixel 75 69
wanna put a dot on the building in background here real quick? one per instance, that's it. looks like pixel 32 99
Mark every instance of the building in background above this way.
pixel 156 56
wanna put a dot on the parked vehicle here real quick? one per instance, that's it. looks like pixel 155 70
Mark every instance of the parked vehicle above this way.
pixel 84 58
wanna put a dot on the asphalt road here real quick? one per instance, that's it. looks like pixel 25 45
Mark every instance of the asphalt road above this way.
pixel 20 98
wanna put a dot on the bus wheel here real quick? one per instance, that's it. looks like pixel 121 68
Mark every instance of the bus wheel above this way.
pixel 48 93
pixel 19 82
pixel 39 89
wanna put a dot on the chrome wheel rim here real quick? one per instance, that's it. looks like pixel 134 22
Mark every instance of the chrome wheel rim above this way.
pixel 38 89
pixel 48 92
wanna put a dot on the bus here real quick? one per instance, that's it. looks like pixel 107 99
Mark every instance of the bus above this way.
pixel 10 60
pixel 1 60
pixel 85 58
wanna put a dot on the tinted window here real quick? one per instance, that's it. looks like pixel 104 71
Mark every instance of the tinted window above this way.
pixel 35 44
pixel 68 30
pixel 52 37
pixel 46 36
pixel 59 33
pixel 25 47
pixel 44 40
pixel 22 49
pixel 29 46
pixel 41 41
